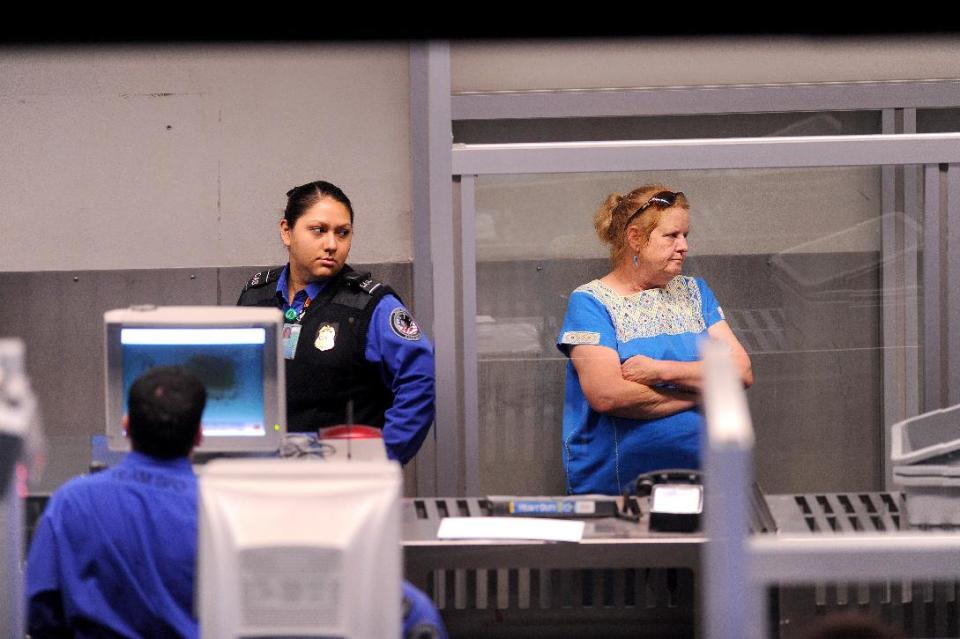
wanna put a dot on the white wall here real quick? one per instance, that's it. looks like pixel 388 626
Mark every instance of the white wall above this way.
pixel 123 157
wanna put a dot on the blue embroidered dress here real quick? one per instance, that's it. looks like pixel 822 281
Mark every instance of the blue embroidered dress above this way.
pixel 602 453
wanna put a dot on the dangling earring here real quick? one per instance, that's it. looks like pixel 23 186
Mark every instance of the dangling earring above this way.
pixel 636 261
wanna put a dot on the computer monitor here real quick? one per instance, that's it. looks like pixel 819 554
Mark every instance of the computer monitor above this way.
pixel 236 353
pixel 299 548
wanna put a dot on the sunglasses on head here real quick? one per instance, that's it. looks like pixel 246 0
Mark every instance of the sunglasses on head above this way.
pixel 661 199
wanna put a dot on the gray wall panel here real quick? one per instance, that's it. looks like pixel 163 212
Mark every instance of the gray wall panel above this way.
pixel 59 315
pixel 665 127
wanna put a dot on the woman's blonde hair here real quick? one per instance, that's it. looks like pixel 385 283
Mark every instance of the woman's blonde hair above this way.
pixel 611 219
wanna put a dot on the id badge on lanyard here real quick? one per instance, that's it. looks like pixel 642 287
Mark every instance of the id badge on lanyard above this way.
pixel 290 336
pixel 291 329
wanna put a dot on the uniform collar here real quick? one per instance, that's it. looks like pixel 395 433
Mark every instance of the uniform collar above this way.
pixel 312 289
pixel 142 460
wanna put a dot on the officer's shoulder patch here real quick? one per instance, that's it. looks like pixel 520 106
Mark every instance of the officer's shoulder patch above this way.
pixel 403 324
pixel 363 282
pixel 580 337
pixel 264 277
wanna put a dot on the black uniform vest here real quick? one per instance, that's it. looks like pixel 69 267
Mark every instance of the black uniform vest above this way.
pixel 321 382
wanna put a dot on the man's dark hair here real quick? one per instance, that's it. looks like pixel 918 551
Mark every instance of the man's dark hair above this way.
pixel 164 408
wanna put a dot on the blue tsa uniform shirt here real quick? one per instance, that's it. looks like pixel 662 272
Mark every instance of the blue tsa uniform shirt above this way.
pixel 114 554
pixel 350 339
pixel 404 357
pixel 421 619
pixel 602 453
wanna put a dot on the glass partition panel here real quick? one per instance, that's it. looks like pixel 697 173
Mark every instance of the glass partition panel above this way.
pixel 795 259
pixel 938 120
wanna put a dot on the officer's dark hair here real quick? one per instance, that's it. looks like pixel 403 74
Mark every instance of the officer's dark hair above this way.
pixel 164 408
pixel 300 198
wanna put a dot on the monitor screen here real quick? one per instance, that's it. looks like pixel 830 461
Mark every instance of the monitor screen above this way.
pixel 299 548
pixel 233 351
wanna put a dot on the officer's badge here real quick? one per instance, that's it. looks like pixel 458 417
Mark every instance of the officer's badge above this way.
pixel 326 336
pixel 403 324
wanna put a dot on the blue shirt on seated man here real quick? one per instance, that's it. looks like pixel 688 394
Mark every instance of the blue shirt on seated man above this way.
pixel 114 554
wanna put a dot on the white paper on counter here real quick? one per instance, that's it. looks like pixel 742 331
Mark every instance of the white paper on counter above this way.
pixel 540 528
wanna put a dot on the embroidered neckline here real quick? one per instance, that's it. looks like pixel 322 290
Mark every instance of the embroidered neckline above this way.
pixel 671 310
pixel 655 290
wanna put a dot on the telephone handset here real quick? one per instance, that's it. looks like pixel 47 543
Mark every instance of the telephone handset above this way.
pixel 676 498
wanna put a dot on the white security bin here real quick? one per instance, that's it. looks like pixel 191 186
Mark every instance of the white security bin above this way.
pixel 926 458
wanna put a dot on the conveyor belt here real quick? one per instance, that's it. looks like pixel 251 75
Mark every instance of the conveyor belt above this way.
pixel 837 512
pixel 623 580
pixel 916 608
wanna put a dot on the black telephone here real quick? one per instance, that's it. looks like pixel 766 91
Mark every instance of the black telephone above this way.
pixel 676 498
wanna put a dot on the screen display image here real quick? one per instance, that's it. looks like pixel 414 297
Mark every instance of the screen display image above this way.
pixel 229 362
pixel 677 499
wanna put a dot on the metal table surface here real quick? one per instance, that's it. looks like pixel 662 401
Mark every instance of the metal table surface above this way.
pixel 622 579
pixel 607 542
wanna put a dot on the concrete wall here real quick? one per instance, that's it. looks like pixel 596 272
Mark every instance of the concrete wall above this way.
pixel 180 156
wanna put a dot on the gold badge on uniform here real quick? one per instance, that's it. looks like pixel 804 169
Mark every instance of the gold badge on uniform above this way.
pixel 326 336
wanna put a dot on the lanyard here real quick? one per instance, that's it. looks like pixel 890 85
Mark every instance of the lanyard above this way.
pixel 291 314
